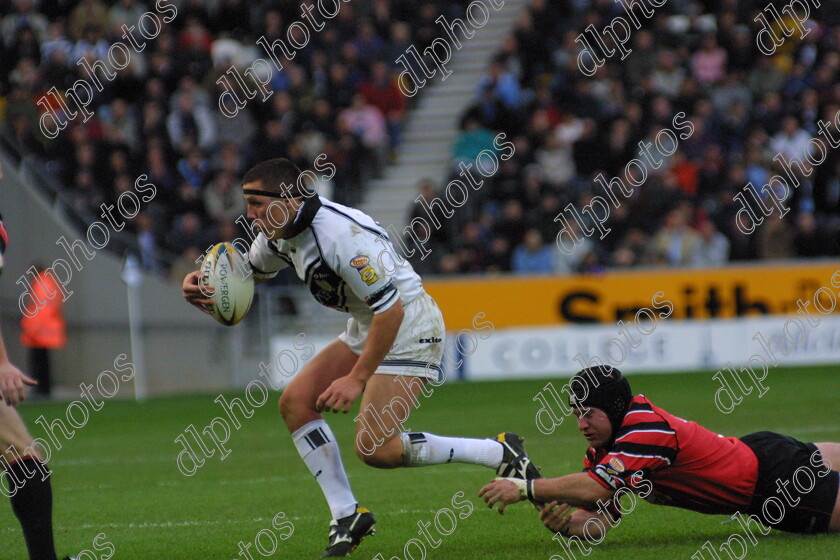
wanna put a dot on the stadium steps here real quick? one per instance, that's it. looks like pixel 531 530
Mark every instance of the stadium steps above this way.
pixel 432 126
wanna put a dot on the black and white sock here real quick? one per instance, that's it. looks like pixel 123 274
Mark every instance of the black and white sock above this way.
pixel 317 447
pixel 423 448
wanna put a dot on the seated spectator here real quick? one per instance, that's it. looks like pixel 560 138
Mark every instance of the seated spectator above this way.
pixel 502 83
pixel 492 111
pixel 19 135
pixel 556 157
pixel 25 13
pixel 223 198
pixel 188 232
pixel 675 244
pixel 150 254
pixel 570 262
pixel 473 247
pixel 194 168
pixel 730 91
pixel 90 45
pixel 511 225
pixel 191 121
pixel 713 249
pixel 229 158
pixel 668 76
pixel 120 124
pixel 125 12
pixel 500 255
pixel 381 91
pixel 708 65
pixel 89 15
pixel 472 139
pixel 791 141
pixel 195 43
pixel 775 240
pixel 25 45
pixel 812 240
pixel 685 172
pixel 85 195
pixel 368 124
pixel 368 43
pixel 591 263
pixel 532 256
pixel 421 207
pixel 188 86
pixel 765 77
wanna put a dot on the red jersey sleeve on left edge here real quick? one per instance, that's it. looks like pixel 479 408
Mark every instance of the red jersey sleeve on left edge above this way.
pixel 4 240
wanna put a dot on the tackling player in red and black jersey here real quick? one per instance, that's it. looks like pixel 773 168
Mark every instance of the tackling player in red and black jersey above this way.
pixel 638 447
pixel 28 476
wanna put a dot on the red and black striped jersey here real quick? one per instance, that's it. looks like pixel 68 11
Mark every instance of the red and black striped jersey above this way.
pixel 688 465
pixel 4 239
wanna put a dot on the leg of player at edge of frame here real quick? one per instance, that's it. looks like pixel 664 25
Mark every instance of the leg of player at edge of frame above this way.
pixel 29 487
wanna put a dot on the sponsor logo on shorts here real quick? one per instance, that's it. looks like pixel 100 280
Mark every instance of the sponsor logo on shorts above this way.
pixel 432 340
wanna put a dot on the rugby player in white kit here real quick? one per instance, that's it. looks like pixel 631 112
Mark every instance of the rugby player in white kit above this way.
pixel 392 346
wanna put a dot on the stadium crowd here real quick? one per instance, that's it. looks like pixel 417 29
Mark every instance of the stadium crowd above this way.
pixel 160 116
pixel 338 96
pixel 698 58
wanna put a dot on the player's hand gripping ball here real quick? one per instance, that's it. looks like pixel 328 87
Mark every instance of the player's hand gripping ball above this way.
pixel 228 274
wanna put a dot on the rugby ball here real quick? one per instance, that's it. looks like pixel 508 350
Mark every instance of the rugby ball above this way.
pixel 228 273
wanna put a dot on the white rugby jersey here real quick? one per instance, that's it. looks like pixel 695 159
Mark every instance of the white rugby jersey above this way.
pixel 343 255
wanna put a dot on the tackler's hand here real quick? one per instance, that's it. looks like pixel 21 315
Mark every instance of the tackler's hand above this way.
pixel 503 491
pixel 556 517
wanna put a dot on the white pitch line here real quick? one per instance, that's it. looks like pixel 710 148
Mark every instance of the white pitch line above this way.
pixel 180 480
pixel 207 523
pixel 125 459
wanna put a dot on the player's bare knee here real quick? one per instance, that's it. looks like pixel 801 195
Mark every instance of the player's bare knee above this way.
pixel 375 457
pixel 283 405
pixel 14 445
pixel 365 455
pixel 14 451
pixel 289 407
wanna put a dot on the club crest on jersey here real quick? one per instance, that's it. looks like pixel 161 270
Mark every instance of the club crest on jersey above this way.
pixel 617 464
pixel 362 264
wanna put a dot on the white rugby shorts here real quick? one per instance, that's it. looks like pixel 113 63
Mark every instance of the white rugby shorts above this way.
pixel 418 348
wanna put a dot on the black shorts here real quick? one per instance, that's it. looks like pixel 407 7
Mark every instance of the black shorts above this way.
pixel 791 494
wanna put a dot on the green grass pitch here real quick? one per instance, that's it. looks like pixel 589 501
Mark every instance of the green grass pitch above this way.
pixel 118 476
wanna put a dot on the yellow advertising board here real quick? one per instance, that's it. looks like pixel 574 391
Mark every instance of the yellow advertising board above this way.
pixel 512 301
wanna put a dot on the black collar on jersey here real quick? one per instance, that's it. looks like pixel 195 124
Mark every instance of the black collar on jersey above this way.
pixel 304 217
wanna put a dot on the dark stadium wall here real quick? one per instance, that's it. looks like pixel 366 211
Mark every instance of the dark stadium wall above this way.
pixel 185 351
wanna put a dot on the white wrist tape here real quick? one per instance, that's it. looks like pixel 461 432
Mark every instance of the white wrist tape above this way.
pixel 525 487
